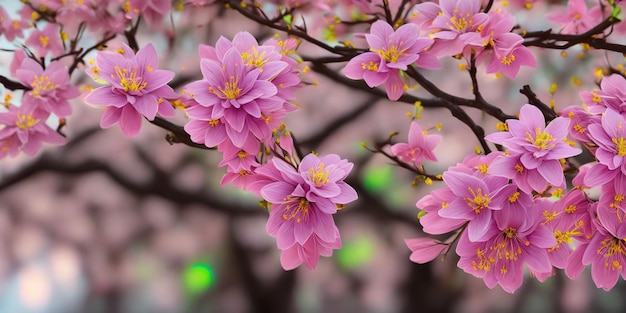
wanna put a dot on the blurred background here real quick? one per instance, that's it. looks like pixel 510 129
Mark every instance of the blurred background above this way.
pixel 112 224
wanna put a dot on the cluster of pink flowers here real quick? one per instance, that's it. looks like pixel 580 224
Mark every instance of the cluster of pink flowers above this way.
pixel 48 91
pixel 303 199
pixel 136 88
pixel 512 209
pixel 246 91
pixel 390 53
pixel 459 27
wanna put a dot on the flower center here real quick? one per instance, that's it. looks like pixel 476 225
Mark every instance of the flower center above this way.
pixel 542 140
pixel 230 90
pixel 479 200
pixel 25 121
pixel 613 250
pixel 129 80
pixel 44 40
pixel 41 83
pixel 620 145
pixel 254 58
pixel 297 209
pixel 318 176
pixel 391 54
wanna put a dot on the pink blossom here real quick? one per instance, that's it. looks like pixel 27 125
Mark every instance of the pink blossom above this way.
pixel 24 129
pixel 419 147
pixel 475 200
pixel 610 137
pixel 457 24
pixel 137 88
pixel 11 28
pixel 539 147
pixel 237 94
pixel 606 251
pixel 577 19
pixel 514 238
pixel 391 52
pixel 46 40
pixel 50 88
pixel 303 201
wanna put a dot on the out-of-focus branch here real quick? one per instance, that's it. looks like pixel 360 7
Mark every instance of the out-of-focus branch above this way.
pixel 316 139
pixel 547 39
pixel 159 188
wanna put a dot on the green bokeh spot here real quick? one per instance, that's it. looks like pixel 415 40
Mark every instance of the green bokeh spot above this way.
pixel 198 277
pixel 378 179
pixel 355 253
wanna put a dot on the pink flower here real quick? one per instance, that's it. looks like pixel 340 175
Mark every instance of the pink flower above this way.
pixel 510 55
pixel 606 251
pixel 456 25
pixel 24 128
pixel 514 239
pixel 391 52
pixel 11 28
pixel 50 88
pixel 539 147
pixel 420 146
pixel 237 95
pixel 137 88
pixel 303 201
pixel 570 223
pixel 610 137
pixel 577 19
pixel 474 202
pixel 46 40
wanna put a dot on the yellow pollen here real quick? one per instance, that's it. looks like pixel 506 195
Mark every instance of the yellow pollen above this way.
pixel 370 67
pixel 214 123
pixel 542 140
pixel 595 97
pixel 579 128
pixel 509 232
pixel 483 168
pixel 613 250
pixel 570 209
pixel 254 58
pixel 129 81
pixel 242 154
pixel 507 59
pixel 318 176
pixel 549 216
pixel 479 200
pixel 300 211
pixel 41 83
pixel 620 145
pixel 391 54
pixel 514 197
pixel 230 90
pixel 44 40
pixel 25 121
pixel 519 168
pixel 460 24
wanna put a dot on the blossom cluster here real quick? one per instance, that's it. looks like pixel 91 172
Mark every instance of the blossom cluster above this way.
pixel 47 92
pixel 506 210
